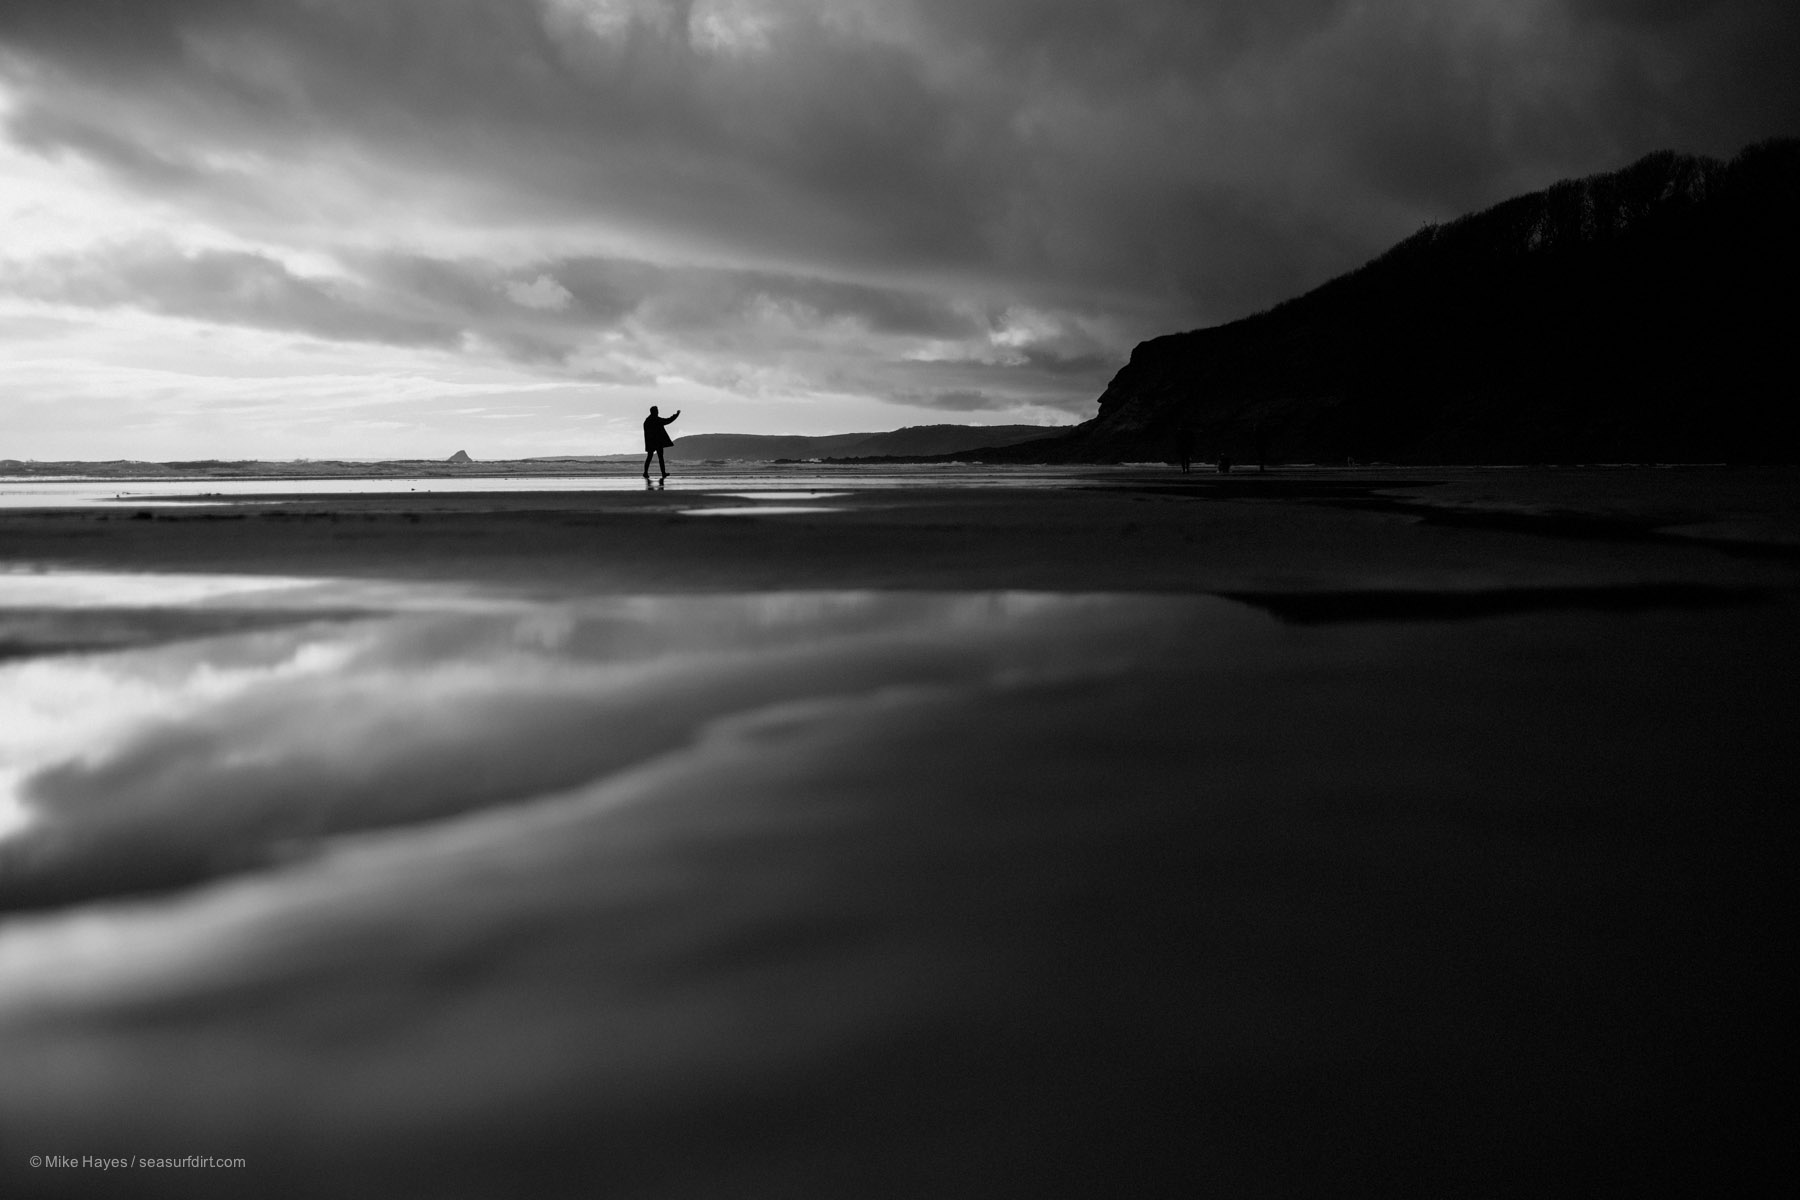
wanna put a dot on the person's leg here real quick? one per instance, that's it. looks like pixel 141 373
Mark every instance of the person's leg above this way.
pixel 648 455
pixel 661 463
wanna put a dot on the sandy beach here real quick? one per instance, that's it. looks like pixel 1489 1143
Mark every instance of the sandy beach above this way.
pixel 847 832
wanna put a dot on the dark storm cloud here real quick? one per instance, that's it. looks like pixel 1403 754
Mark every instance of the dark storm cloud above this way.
pixel 1557 89
pixel 958 401
pixel 540 313
pixel 574 297
pixel 232 287
pixel 966 385
pixel 831 142
pixel 1161 162
pixel 46 130
pixel 1644 12
pixel 1126 46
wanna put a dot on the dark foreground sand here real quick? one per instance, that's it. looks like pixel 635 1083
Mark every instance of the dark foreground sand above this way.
pixel 1337 833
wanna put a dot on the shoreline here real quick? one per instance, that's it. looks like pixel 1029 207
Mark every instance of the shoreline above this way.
pixel 1125 530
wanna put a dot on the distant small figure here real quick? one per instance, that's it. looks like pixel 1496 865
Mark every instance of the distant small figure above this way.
pixel 1184 447
pixel 656 440
pixel 1224 464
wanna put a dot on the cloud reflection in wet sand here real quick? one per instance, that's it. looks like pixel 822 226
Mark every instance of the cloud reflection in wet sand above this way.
pixel 659 911
pixel 164 766
pixel 848 894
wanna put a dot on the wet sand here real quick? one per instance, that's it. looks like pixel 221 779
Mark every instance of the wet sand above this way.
pixel 1300 834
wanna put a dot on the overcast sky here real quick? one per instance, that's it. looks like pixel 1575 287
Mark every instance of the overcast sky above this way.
pixel 322 228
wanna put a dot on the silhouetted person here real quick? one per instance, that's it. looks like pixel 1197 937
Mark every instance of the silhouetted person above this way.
pixel 656 440
pixel 1224 463
pixel 1184 447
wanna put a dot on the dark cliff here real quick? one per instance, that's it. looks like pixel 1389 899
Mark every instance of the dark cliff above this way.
pixel 1646 315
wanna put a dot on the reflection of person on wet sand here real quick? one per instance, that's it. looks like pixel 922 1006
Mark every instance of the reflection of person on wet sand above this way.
pixel 656 439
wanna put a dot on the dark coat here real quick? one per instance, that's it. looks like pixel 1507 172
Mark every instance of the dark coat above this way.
pixel 655 436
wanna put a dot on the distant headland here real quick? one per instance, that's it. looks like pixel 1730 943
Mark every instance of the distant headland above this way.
pixel 914 440
pixel 917 440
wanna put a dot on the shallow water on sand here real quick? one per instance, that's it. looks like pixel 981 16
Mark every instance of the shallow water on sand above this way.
pixel 230 744
pixel 417 891
pixel 735 479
